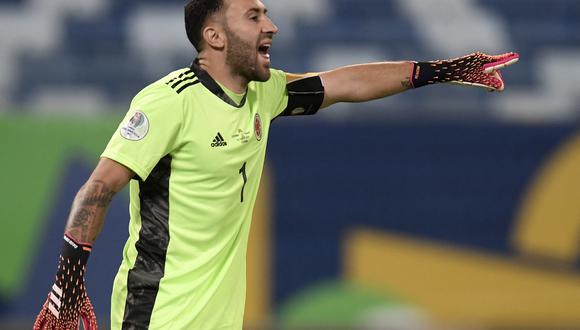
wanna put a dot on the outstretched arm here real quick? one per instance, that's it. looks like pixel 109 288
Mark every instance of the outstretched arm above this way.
pixel 365 82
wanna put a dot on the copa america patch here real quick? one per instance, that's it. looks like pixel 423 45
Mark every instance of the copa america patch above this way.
pixel 135 128
pixel 258 127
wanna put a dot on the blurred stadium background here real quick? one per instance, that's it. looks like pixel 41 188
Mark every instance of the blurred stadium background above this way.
pixel 443 208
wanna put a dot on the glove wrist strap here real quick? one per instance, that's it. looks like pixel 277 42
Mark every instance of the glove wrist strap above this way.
pixel 428 73
pixel 69 287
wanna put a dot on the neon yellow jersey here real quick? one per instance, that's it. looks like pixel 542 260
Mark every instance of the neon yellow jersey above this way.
pixel 198 156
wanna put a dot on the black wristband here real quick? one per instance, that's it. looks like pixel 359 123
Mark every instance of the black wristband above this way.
pixel 428 73
pixel 69 288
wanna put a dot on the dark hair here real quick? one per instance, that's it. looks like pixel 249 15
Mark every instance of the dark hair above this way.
pixel 196 14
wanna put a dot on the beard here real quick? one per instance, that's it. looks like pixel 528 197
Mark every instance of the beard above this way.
pixel 242 58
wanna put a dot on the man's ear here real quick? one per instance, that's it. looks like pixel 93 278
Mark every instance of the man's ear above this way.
pixel 214 36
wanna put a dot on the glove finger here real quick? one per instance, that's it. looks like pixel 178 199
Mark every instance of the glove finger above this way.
pixel 492 81
pixel 472 84
pixel 40 319
pixel 48 325
pixel 39 323
pixel 45 324
pixel 89 322
pixel 44 318
pixel 500 61
pixel 497 80
pixel 88 316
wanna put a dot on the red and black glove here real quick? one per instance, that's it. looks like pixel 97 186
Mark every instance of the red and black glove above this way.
pixel 68 302
pixel 475 69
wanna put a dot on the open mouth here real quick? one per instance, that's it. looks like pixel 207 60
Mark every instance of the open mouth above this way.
pixel 264 50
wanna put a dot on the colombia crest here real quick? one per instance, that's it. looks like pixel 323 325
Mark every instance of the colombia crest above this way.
pixel 258 127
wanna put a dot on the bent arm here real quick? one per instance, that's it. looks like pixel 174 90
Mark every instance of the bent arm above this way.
pixel 90 205
pixel 365 82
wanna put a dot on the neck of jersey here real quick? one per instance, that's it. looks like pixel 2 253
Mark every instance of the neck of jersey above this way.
pixel 228 96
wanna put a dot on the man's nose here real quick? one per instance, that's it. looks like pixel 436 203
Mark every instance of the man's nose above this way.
pixel 270 27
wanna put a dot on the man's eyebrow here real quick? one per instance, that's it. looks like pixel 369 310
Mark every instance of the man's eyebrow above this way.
pixel 257 10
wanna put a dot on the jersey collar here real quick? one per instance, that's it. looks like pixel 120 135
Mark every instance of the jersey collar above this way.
pixel 213 86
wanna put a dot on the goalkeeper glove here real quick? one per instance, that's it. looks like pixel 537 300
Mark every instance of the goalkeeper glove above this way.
pixel 475 69
pixel 68 300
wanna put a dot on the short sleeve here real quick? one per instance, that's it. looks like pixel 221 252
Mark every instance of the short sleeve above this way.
pixel 278 85
pixel 149 131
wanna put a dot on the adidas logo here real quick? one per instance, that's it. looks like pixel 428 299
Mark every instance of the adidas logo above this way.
pixel 219 141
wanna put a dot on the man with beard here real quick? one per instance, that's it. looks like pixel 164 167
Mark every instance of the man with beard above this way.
pixel 192 147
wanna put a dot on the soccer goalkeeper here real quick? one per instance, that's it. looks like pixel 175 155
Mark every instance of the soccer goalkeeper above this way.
pixel 192 148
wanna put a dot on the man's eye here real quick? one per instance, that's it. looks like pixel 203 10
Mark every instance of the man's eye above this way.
pixel 254 18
